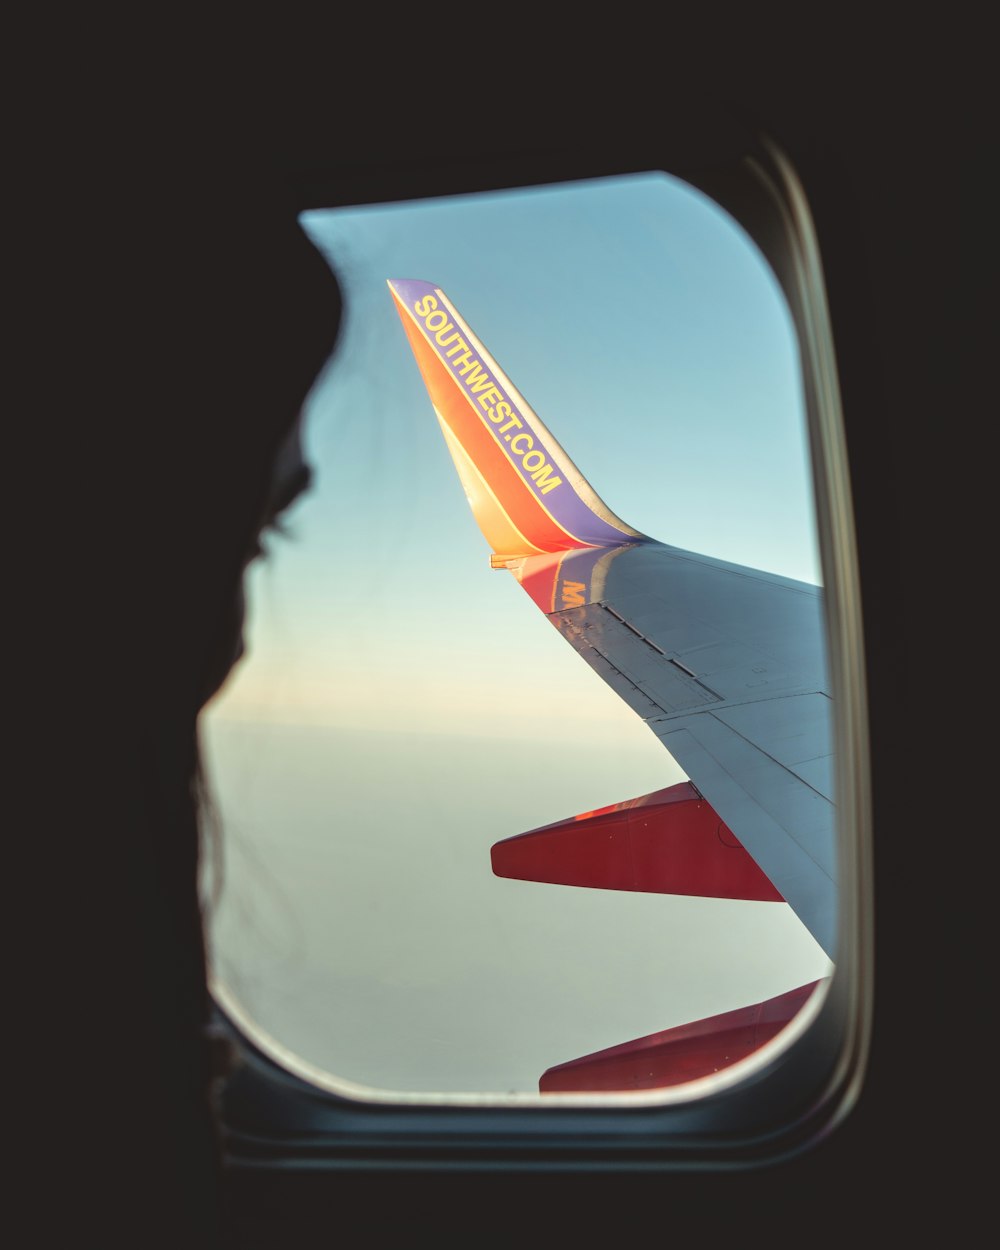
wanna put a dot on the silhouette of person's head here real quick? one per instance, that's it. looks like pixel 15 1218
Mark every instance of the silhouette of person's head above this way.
pixel 217 316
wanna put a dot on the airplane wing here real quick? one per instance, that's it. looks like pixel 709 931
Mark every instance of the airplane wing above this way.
pixel 725 664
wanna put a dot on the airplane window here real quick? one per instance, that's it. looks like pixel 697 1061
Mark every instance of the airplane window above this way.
pixel 442 658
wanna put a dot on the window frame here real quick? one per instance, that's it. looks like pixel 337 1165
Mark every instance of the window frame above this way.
pixel 271 1114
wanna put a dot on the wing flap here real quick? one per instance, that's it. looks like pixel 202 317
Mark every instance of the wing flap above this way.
pixel 632 660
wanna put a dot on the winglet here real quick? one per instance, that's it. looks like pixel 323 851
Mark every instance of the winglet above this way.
pixel 526 494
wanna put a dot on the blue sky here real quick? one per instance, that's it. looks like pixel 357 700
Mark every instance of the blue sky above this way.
pixel 403 705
